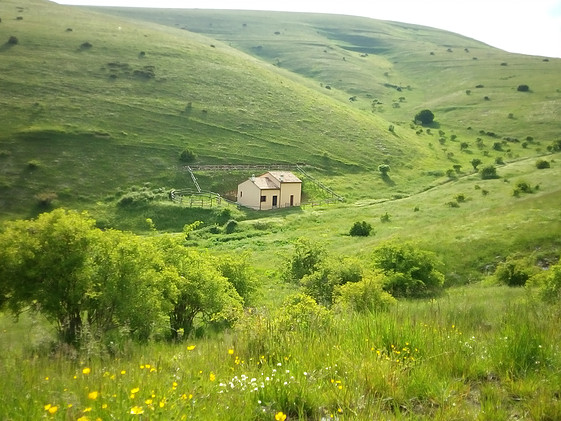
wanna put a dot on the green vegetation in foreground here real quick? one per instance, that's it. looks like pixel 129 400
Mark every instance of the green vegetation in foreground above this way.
pixel 191 320
pixel 477 353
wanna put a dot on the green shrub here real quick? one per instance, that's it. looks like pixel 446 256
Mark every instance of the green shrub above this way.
pixel 306 258
pixel 523 88
pixel 33 164
pixel 514 271
pixel 542 164
pixel 489 172
pixel 231 226
pixel 408 271
pixel 301 313
pixel 13 40
pixel 424 116
pixel 187 156
pixel 360 229
pixel 363 296
pixel 321 283
pixel 551 290
pixel 384 169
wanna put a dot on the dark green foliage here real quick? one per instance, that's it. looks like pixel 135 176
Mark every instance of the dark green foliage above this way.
pixel 408 271
pixel 384 169
pixel 13 40
pixel 475 162
pixel 523 88
pixel 385 217
pixel 231 226
pixel 489 172
pixel 187 156
pixel 425 117
pixel 86 46
pixel 360 229
pixel 542 164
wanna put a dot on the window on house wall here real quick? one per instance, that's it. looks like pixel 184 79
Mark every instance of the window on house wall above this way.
pixel 263 198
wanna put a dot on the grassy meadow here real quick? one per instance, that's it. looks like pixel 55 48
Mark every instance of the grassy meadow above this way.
pixel 483 353
pixel 97 105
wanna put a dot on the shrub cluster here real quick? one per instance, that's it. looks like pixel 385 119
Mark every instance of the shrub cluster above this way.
pixel 111 283
pixel 360 229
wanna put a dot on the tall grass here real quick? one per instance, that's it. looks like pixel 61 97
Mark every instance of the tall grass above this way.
pixel 480 353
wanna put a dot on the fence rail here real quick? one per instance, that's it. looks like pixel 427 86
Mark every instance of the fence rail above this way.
pixel 228 167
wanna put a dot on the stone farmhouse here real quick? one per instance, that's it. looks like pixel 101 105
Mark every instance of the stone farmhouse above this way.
pixel 272 190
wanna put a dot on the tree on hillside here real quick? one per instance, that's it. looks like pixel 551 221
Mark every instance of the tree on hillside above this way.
pixel 425 117
pixel 74 273
pixel 384 169
pixel 306 258
pixel 475 162
pixel 197 288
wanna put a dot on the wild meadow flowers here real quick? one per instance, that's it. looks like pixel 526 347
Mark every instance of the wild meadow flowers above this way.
pixel 422 364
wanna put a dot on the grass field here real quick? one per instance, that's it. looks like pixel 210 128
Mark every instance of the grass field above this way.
pixel 478 353
pixel 99 103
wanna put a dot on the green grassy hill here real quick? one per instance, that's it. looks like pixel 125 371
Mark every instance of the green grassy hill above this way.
pixel 93 104
pixel 98 103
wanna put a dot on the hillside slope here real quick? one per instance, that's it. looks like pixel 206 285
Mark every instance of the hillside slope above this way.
pixel 93 103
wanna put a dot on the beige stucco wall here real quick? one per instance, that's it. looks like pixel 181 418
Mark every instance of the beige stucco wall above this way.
pixel 249 194
pixel 268 203
pixel 290 189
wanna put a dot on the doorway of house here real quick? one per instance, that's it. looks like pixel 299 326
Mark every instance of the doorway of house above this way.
pixel 274 201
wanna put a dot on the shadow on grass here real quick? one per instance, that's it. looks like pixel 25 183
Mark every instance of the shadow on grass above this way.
pixel 387 179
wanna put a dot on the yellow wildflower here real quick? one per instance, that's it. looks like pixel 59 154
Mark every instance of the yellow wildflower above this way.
pixel 52 410
pixel 87 370
pixel 82 418
pixel 93 395
pixel 280 416
pixel 135 390
pixel 137 410
pixel 212 377
pixel 190 347
pixel 123 372
pixel 230 352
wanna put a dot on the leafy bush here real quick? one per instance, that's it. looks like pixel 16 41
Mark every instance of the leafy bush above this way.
pixel 408 271
pixel 551 289
pixel 384 169
pixel 523 88
pixel 424 116
pixel 306 258
pixel 231 226
pixel 13 40
pixel 321 283
pixel 85 46
pixel 542 164
pixel 239 273
pixel 301 313
pixel 363 296
pixel 489 172
pixel 360 229
pixel 514 271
